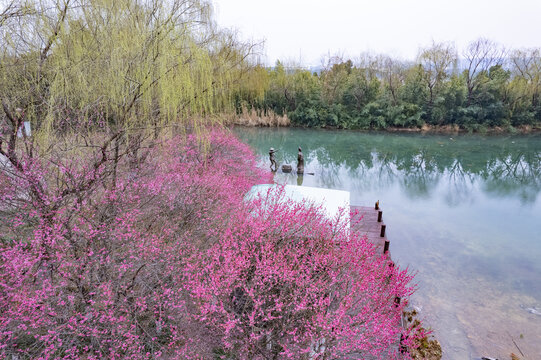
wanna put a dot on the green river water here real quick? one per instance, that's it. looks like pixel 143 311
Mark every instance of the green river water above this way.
pixel 462 211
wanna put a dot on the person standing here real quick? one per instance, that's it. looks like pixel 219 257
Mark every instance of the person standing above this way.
pixel 272 159
pixel 300 162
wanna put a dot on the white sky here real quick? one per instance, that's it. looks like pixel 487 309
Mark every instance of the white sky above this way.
pixel 306 30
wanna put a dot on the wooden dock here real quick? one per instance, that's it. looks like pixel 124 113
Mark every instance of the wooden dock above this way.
pixel 366 220
pixel 369 221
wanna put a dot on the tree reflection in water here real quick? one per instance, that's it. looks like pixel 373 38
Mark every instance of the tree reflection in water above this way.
pixel 499 165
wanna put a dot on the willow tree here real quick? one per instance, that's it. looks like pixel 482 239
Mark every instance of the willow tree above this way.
pixel 245 78
pixel 99 80
pixel 121 63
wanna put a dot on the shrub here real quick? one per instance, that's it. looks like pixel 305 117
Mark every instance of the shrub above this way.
pixel 285 282
pixel 113 255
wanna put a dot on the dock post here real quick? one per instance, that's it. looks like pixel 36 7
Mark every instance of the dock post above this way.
pixel 382 233
pixel 376 206
pixel 386 247
pixel 380 214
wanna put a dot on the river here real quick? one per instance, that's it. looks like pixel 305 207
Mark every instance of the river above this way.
pixel 462 211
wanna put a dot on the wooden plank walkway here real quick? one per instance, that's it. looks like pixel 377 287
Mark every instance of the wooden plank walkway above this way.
pixel 364 220
pixel 368 221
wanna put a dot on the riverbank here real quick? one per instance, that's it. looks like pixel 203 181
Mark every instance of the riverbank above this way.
pixel 455 129
pixel 254 119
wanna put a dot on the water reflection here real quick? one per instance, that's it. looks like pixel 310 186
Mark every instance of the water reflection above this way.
pixel 463 211
pixel 506 166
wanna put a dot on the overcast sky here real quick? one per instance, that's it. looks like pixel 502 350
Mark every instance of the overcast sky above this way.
pixel 307 29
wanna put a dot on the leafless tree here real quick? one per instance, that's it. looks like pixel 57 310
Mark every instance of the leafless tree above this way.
pixel 394 75
pixel 436 60
pixel 480 56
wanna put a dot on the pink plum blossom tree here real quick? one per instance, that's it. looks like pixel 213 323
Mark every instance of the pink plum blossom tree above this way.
pixel 110 254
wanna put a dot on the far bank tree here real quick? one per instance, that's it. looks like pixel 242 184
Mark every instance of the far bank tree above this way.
pixel 486 86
